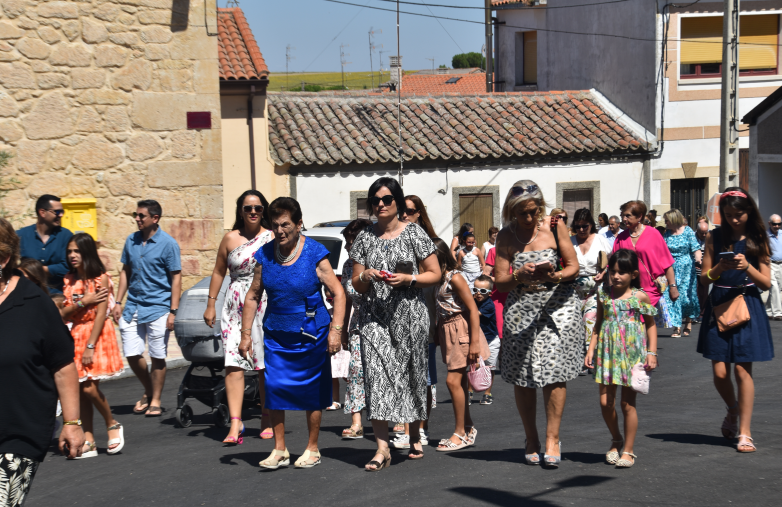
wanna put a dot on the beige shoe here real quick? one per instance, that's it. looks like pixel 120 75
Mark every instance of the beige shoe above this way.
pixel 626 463
pixel 304 460
pixel 613 456
pixel 272 463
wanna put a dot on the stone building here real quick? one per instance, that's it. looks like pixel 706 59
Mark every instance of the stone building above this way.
pixel 94 97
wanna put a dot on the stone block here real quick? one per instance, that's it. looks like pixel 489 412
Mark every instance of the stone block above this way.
pixel 107 12
pixel 190 265
pixel 85 186
pixel 40 66
pixel 156 52
pixel 9 31
pixel 49 35
pixel 184 144
pixel 9 56
pixel 124 39
pixel 61 156
pixel 184 174
pixel 116 118
pixel 211 145
pixel 14 8
pixel 138 75
pixel 193 235
pixel 17 75
pixel 10 131
pixel 211 202
pixel 97 153
pixel 193 45
pixel 49 119
pixel 60 10
pixel 143 146
pixel 71 55
pixel 53 80
pixel 156 35
pixel 71 29
pixel 8 106
pixel 89 121
pixel 16 203
pixel 174 80
pixel 109 258
pixel 31 156
pixel 48 183
pixel 206 76
pixel 105 97
pixel 93 33
pixel 26 23
pixel 35 49
pixel 155 17
pixel 167 111
pixel 110 56
pixel 87 78
pixel 131 184
pixel 126 19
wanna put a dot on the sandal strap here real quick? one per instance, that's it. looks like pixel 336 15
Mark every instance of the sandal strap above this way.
pixel 114 427
pixel 746 443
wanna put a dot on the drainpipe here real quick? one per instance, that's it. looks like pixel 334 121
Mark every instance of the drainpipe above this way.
pixel 252 135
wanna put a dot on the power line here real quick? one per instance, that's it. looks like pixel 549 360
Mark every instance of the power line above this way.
pixel 335 37
pixel 443 27
pixel 483 8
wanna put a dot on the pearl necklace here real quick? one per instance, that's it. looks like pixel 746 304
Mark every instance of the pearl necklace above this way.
pixel 528 242
pixel 639 232
pixel 285 260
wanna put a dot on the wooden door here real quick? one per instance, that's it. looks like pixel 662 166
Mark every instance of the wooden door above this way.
pixel 689 197
pixel 478 210
pixel 573 200
pixel 744 168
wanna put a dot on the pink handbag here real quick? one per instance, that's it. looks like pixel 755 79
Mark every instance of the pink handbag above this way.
pixel 639 377
pixel 480 377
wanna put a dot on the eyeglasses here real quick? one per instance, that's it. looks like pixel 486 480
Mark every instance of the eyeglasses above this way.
pixel 140 216
pixel 480 291
pixel 250 208
pixel 776 224
pixel 387 200
pixel 411 211
pixel 581 227
pixel 517 191
pixel 57 212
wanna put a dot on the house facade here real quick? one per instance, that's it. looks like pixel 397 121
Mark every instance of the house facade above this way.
pixel 764 175
pixel 658 63
pixel 462 153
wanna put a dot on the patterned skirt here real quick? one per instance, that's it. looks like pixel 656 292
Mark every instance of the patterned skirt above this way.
pixel 16 477
pixel 355 399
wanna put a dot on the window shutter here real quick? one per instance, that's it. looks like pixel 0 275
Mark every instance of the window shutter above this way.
pixel 530 57
pixel 701 40
pixel 758 39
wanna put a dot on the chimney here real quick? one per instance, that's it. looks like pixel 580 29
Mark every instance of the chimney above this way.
pixel 396 69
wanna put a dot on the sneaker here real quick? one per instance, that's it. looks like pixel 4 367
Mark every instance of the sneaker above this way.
pixel 424 436
pixel 434 396
pixel 401 442
pixel 486 399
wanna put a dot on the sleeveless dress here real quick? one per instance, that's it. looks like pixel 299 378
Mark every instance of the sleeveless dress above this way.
pixel 621 343
pixel 106 360
pixel 355 399
pixel 748 343
pixel 471 266
pixel 682 247
pixel 298 367
pixel 394 327
pixel 543 337
pixel 241 265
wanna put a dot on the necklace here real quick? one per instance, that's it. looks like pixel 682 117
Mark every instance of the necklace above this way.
pixel 385 247
pixel 530 241
pixel 5 287
pixel 284 260
pixel 639 232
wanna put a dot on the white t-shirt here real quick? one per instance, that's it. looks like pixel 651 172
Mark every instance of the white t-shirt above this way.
pixel 588 263
pixel 486 247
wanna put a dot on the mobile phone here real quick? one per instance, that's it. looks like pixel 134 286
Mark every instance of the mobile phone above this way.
pixel 404 267
pixel 543 266
pixel 728 256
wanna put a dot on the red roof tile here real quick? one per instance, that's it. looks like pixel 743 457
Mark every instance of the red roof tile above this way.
pixel 238 52
pixel 338 128
pixel 505 2
pixel 436 83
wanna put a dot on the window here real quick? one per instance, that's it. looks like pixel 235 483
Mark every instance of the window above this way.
pixel 453 80
pixel 334 246
pixel 576 199
pixel 701 45
pixel 526 58
pixel 361 208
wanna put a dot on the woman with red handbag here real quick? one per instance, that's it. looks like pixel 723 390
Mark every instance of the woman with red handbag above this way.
pixel 735 326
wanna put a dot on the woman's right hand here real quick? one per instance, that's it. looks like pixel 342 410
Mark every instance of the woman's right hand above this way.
pixel 371 275
pixel 93 298
pixel 210 315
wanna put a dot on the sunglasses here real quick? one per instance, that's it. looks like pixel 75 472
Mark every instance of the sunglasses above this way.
pixel 776 224
pixel 480 291
pixel 142 216
pixel 517 191
pixel 250 208
pixel 387 200
pixel 581 227
pixel 411 211
pixel 57 212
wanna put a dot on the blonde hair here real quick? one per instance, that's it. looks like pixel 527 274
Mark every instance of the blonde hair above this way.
pixel 675 217
pixel 511 201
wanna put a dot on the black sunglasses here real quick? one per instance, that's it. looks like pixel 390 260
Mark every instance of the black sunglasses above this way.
pixel 411 211
pixel 776 224
pixel 480 291
pixel 57 212
pixel 387 200
pixel 250 208
pixel 517 191
pixel 580 227
pixel 140 215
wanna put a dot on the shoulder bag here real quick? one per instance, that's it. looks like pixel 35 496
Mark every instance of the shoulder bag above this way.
pixel 733 313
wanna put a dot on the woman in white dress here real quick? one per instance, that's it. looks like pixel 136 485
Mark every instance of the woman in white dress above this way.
pixel 249 233
pixel 488 245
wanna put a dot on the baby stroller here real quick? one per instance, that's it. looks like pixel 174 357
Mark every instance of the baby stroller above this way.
pixel 203 347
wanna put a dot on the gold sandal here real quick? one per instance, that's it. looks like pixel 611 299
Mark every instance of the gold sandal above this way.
pixel 353 433
pixel 272 463
pixel 378 465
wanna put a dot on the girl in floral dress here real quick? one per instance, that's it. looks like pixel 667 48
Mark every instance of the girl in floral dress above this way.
pixel 619 342
pixel 89 297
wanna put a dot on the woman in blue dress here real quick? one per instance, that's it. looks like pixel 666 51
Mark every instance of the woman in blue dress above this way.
pixel 298 335
pixel 747 272
pixel 685 250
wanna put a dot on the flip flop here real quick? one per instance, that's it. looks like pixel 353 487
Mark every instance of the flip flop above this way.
pixel 144 405
pixel 154 411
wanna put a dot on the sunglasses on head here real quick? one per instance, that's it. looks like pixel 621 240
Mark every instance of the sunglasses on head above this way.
pixel 517 191
pixel 411 211
pixel 387 200
pixel 250 208
pixel 480 291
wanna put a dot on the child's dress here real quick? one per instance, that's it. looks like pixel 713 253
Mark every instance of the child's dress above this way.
pixel 471 266
pixel 106 360
pixel 621 343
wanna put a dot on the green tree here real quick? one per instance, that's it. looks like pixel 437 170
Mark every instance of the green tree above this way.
pixel 468 60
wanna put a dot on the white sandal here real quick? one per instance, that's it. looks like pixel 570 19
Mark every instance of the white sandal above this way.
pixel 626 463
pixel 304 460
pixel 334 406
pixel 273 464
pixel 120 440
pixel 613 456
pixel 747 443
pixel 447 445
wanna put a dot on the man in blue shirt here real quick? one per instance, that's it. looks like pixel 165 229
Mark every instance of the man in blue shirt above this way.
pixel 47 241
pixel 774 301
pixel 613 230
pixel 151 275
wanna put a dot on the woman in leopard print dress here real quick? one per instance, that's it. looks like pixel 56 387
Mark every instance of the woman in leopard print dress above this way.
pixel 543 336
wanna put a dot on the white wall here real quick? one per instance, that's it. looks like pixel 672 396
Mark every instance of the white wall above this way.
pixel 327 197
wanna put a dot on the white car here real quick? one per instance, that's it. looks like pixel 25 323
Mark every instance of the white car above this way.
pixel 334 241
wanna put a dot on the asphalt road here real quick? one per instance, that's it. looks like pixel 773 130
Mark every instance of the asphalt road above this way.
pixel 682 457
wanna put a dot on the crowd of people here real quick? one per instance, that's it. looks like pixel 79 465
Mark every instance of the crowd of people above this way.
pixel 540 302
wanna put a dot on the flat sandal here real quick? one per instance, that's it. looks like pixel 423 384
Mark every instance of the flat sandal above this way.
pixel 378 465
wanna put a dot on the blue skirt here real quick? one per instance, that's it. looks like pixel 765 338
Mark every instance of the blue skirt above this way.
pixel 298 370
pixel 749 343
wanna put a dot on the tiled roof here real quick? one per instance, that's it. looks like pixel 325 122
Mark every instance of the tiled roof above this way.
pixel 465 84
pixel 339 128
pixel 238 52
pixel 506 2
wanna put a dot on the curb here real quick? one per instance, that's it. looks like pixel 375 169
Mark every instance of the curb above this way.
pixel 170 365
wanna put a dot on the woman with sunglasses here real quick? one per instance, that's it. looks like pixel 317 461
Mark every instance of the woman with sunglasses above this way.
pixel 392 262
pixel 592 250
pixel 543 340
pixel 235 255
pixel 415 213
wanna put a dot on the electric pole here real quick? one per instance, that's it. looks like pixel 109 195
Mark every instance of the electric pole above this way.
pixel 729 104
pixel 342 61
pixel 432 60
pixel 372 48
pixel 488 47
pixel 288 59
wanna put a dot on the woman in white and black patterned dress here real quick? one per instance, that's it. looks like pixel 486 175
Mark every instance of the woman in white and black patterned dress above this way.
pixel 393 318
pixel 543 335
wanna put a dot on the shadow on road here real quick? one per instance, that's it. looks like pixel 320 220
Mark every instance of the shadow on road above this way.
pixel 510 499
pixel 505 455
pixel 352 456
pixel 692 438
pixel 251 458
pixel 588 458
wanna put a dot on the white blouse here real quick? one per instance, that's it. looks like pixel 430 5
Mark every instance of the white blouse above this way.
pixel 588 263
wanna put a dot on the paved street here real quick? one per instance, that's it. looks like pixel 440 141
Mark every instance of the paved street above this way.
pixel 682 457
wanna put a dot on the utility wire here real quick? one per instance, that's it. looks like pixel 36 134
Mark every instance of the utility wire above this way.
pixel 441 25
pixel 335 37
pixel 530 6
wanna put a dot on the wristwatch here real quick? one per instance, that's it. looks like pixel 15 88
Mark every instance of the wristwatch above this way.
pixel 673 285
pixel 90 345
pixel 172 310
pixel 412 282
pixel 75 422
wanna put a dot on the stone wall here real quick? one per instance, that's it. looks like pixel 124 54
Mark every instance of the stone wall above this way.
pixel 93 102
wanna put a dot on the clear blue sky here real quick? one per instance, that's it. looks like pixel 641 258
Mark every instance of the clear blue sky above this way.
pixel 312 25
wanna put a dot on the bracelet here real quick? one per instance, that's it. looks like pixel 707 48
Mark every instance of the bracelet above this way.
pixel 515 276
pixel 79 304
pixel 75 422
pixel 338 328
pixel 651 354
pixel 210 297
pixel 708 275
pixel 361 277
pixel 560 278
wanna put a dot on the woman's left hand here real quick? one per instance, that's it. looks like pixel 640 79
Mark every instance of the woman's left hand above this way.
pixel 335 341
pixel 651 362
pixel 86 358
pixel 475 351
pixel 246 345
pixel 673 293
pixel 399 280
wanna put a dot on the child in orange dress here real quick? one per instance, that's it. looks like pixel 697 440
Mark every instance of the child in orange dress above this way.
pixel 89 297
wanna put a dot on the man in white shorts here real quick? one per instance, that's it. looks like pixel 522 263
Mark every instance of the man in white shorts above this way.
pixel 151 275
